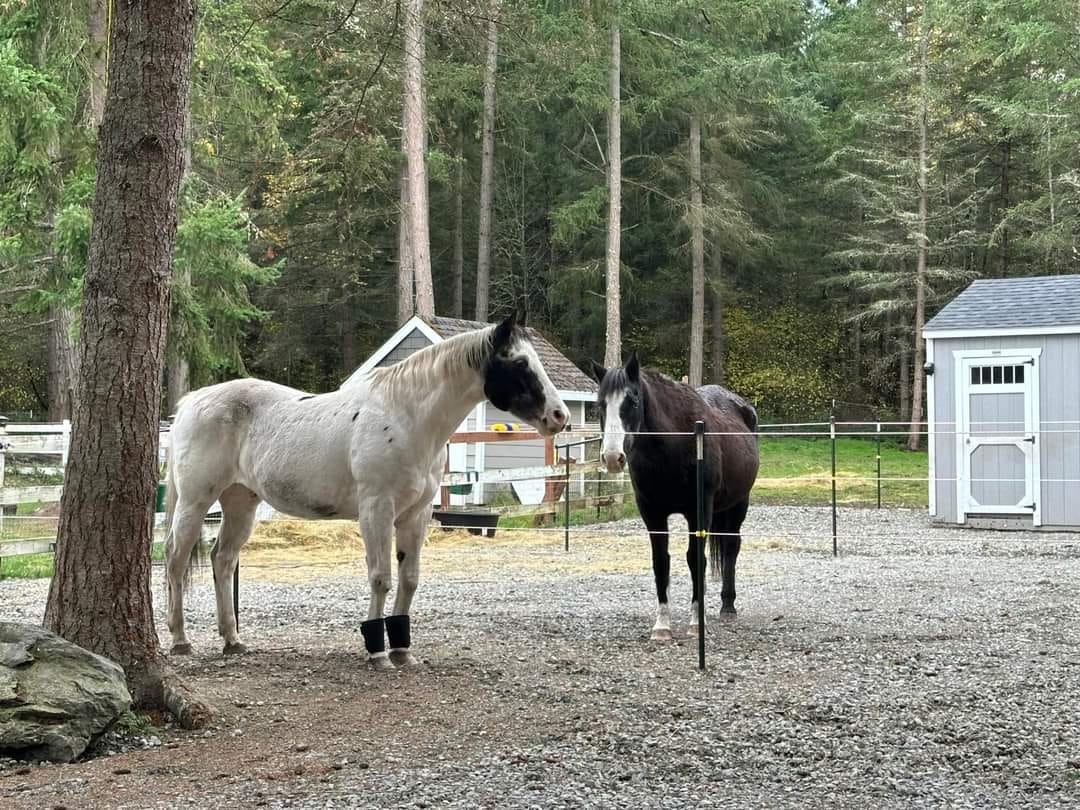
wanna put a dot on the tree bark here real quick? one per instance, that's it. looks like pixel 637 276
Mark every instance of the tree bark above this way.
pixel 406 304
pixel 697 259
pixel 62 362
pixel 179 370
pixel 457 265
pixel 920 269
pixel 718 318
pixel 905 377
pixel 487 167
pixel 97 45
pixel 100 594
pixel 613 339
pixel 415 146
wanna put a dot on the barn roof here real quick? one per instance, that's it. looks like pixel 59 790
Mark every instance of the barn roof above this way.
pixel 565 375
pixel 1039 304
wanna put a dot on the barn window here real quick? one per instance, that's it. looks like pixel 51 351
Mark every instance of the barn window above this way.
pixel 997 375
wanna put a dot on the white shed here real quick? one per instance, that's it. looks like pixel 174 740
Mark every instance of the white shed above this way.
pixel 575 387
pixel 1003 404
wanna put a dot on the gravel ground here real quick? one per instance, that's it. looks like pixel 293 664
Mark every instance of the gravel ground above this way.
pixel 922 668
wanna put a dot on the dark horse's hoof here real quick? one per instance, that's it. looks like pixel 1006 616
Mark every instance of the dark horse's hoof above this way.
pixel 235 649
pixel 181 649
pixel 728 612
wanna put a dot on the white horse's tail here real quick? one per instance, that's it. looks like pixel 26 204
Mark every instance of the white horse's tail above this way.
pixel 196 557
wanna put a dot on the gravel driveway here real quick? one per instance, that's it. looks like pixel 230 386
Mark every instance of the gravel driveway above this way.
pixel 922 668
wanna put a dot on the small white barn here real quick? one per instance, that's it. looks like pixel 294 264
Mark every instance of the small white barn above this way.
pixel 1003 404
pixel 575 387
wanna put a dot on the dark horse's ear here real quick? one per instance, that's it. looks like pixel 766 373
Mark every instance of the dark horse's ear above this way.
pixel 503 332
pixel 633 370
pixel 597 370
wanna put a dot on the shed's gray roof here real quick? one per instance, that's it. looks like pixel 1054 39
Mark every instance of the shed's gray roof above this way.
pixel 1012 303
pixel 561 369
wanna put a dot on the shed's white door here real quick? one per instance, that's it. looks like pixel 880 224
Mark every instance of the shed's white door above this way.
pixel 998 434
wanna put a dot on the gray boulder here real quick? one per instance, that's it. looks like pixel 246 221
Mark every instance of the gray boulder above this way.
pixel 55 697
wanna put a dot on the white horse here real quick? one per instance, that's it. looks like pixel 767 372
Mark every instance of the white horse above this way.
pixel 372 450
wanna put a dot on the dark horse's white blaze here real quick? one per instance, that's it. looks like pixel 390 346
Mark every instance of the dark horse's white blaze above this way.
pixel 373 450
pixel 634 404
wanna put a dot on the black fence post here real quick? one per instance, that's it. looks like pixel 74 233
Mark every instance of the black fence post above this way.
pixel 832 442
pixel 877 447
pixel 702 533
pixel 236 592
pixel 566 497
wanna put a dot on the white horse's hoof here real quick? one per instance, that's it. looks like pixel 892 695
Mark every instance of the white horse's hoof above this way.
pixel 692 630
pixel 660 634
pixel 380 663
pixel 403 659
pixel 236 648
pixel 181 649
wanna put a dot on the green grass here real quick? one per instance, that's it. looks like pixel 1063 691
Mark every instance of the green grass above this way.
pixel 804 464
pixel 40 566
pixel 27 566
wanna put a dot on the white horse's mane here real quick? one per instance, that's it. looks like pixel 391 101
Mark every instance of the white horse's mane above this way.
pixel 433 364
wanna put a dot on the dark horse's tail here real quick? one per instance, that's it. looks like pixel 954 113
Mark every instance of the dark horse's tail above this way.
pixel 714 556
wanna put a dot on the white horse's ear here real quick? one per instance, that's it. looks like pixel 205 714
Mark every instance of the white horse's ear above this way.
pixel 503 332
pixel 633 370
pixel 597 370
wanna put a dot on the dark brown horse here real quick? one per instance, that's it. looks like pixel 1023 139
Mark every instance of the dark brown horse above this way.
pixel 634 403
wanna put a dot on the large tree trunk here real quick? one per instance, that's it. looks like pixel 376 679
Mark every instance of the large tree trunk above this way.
pixel 457 265
pixel 718 318
pixel 487 167
pixel 697 258
pixel 415 146
pixel 920 269
pixel 613 339
pixel 405 301
pixel 100 594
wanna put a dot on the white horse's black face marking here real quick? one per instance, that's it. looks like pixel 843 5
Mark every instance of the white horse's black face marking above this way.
pixel 515 381
pixel 622 410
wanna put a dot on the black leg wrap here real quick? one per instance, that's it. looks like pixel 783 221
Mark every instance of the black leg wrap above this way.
pixel 374 637
pixel 397 630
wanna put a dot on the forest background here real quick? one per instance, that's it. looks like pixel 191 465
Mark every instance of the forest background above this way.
pixel 772 194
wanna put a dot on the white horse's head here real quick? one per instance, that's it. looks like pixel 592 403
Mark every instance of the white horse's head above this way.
pixel 621 410
pixel 515 380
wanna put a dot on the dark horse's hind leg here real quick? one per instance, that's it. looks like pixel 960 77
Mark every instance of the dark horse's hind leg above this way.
pixel 728 523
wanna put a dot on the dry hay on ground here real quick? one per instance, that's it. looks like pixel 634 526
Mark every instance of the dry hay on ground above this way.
pixel 303 550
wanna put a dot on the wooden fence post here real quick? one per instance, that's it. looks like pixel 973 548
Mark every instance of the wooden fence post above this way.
pixel 3 448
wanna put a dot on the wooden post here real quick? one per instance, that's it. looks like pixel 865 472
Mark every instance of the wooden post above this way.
pixel 3 448
pixel 549 460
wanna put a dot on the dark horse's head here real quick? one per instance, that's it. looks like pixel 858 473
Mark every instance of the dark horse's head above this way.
pixel 515 380
pixel 622 409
